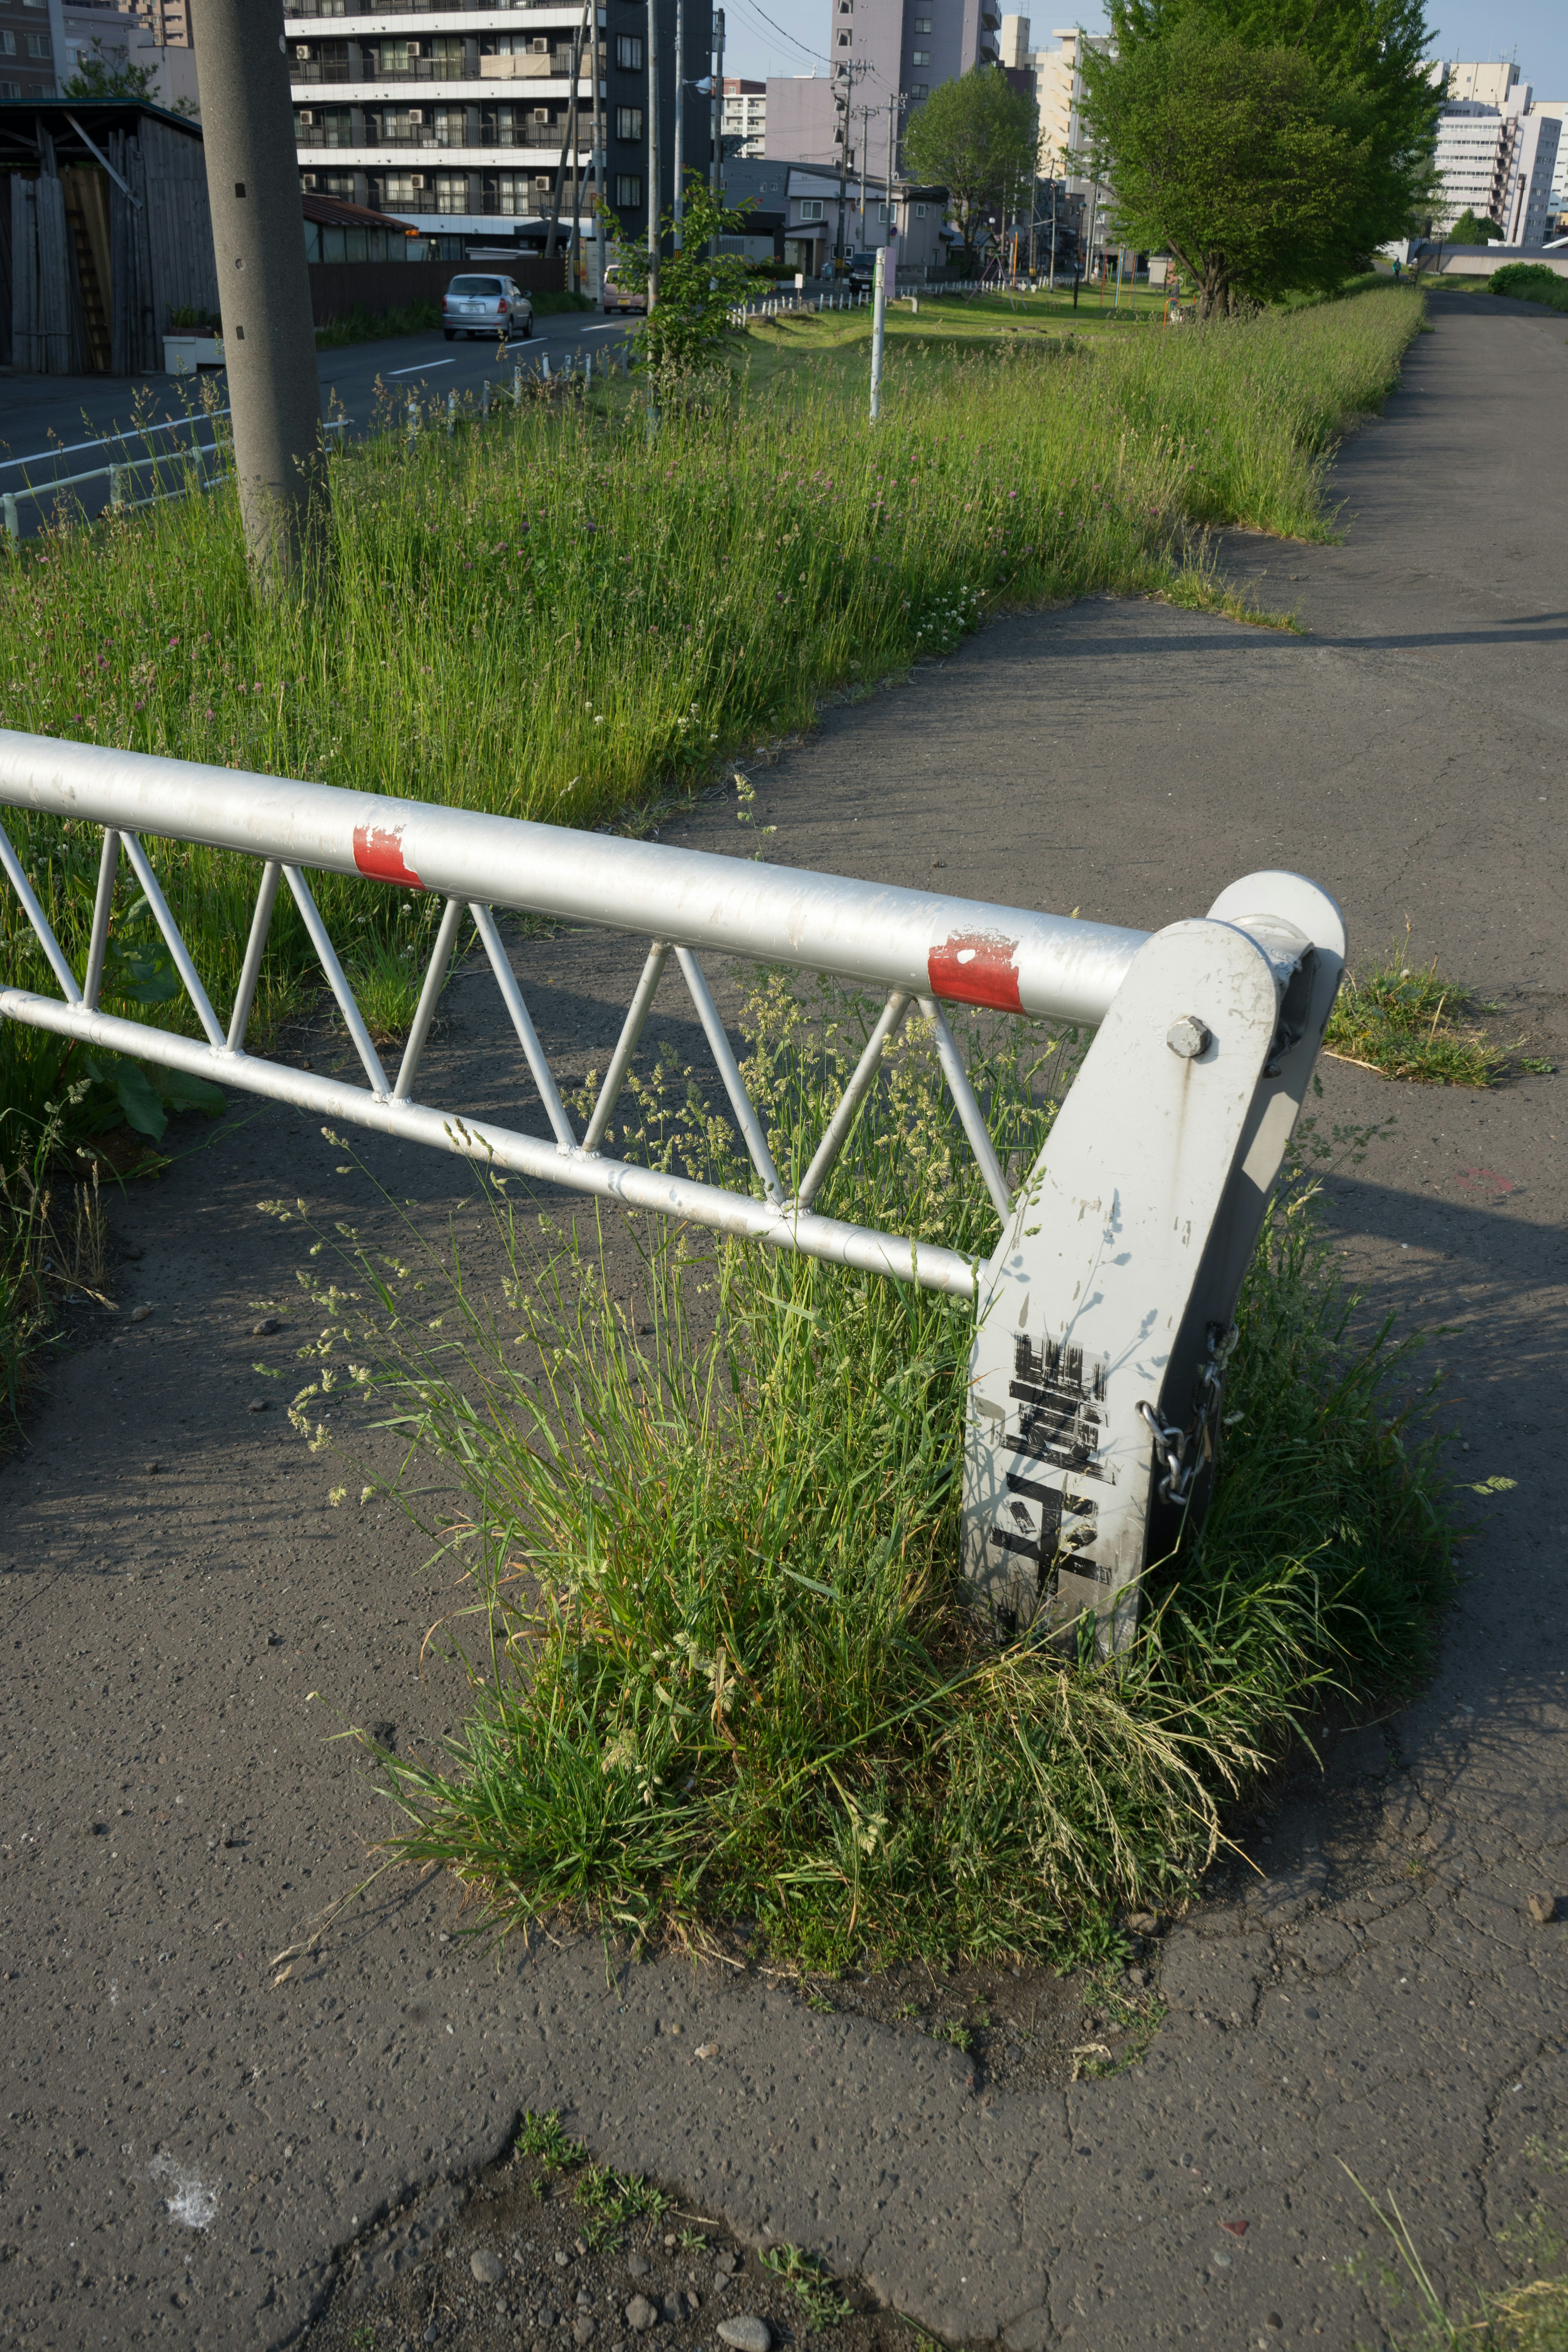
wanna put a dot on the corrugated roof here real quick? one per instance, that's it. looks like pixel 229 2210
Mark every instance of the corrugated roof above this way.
pixel 330 212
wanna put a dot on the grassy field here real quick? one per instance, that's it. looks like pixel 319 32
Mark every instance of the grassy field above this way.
pixel 553 615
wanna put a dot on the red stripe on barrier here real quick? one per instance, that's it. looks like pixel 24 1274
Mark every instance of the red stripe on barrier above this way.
pixel 379 853
pixel 976 968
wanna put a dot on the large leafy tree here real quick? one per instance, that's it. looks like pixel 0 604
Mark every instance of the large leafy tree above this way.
pixel 980 139
pixel 1268 142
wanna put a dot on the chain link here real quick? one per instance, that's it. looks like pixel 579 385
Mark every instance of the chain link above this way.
pixel 1182 1453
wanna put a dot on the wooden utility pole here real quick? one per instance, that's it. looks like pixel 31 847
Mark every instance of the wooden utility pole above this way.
pixel 264 286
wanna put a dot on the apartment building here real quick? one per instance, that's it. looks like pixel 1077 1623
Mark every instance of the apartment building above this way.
pixel 462 118
pixel 1498 160
pixel 1058 95
pixel 743 128
pixel 887 56
pixel 32 44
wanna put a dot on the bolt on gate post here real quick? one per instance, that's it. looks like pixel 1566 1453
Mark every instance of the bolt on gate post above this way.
pixel 264 286
pixel 1105 1316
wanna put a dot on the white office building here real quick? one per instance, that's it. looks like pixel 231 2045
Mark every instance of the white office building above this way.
pixel 1498 161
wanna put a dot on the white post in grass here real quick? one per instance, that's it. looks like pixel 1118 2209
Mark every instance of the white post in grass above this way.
pixel 879 322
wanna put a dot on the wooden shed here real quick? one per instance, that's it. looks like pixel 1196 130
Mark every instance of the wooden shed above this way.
pixel 104 230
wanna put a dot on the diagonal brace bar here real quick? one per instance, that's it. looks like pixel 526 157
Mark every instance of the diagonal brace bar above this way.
pixel 968 1109
pixel 255 949
pixel 626 1043
pixel 97 947
pixel 729 1070
pixel 312 913
pixel 435 980
pixel 39 920
pixel 526 1036
pixel 140 866
pixel 855 1093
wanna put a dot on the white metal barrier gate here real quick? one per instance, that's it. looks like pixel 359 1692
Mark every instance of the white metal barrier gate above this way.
pixel 1106 1312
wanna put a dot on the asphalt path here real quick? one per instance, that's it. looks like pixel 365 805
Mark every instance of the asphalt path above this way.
pixel 49 424
pixel 192 2139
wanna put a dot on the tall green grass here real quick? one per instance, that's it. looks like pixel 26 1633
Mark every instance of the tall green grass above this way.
pixel 722 1667
pixel 550 616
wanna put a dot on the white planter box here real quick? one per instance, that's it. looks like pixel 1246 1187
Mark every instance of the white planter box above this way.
pixel 184 354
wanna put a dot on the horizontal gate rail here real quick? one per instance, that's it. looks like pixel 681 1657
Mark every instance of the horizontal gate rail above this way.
pixel 1105 1312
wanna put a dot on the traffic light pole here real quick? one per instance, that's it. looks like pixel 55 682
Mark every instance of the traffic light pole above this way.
pixel 264 286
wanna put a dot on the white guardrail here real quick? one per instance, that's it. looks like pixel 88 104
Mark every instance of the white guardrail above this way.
pixel 1106 1312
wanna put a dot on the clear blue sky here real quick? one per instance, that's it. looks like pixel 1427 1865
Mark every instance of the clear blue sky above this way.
pixel 1533 32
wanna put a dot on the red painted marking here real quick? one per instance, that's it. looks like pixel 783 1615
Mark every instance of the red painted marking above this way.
pixel 1485 1180
pixel 1236 2228
pixel 976 968
pixel 379 853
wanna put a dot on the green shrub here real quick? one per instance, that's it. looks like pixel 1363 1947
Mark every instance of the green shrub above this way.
pixel 1530 281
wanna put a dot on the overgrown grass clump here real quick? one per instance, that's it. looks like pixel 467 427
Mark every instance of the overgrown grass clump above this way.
pixel 1406 1021
pixel 548 617
pixel 724 1671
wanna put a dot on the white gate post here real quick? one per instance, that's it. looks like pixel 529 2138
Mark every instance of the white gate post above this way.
pixel 1106 1312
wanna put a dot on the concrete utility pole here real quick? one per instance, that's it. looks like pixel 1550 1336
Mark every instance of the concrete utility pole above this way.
pixel 264 286
pixel 652 191
pixel 678 205
pixel 718 113
pixel 600 192
pixel 878 328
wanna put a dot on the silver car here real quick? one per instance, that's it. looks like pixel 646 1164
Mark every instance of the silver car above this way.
pixel 494 307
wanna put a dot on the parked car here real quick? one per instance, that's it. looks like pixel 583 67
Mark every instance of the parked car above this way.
pixel 494 307
pixel 620 296
pixel 862 272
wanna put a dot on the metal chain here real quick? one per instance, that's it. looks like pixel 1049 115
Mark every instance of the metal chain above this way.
pixel 1183 1452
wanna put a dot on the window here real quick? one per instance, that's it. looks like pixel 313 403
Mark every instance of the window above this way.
pixel 8 44
pixel 402 188
pixel 38 46
pixel 628 185
pixel 628 122
pixel 920 212
pixel 10 90
pixel 845 40
pixel 811 208
pixel 452 192
pixel 919 90
pixel 628 56
pixel 920 57
pixel 922 24
pixel 509 192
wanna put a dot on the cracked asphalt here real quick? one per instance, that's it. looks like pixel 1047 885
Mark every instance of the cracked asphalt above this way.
pixel 189 2144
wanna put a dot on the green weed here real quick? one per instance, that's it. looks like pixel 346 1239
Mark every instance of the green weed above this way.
pixel 812 2286
pixel 542 2138
pixel 1408 1022
pixel 609 2200
pixel 1531 2316
pixel 724 1668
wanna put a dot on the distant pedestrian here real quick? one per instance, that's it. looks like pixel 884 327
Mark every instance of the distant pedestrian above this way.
pixel 1398 271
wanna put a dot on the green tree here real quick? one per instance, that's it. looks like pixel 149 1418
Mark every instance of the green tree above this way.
pixel 980 139
pixel 689 323
pixel 1471 229
pixel 111 75
pixel 1340 162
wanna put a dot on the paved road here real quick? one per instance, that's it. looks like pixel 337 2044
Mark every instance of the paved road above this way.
pixel 41 415
pixel 182 1641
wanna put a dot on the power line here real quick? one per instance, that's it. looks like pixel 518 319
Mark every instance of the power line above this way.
pixel 805 50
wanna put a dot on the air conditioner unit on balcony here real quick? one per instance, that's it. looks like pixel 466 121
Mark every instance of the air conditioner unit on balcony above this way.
pixel 416 182
pixel 542 114
pixel 307 120
pixel 416 118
